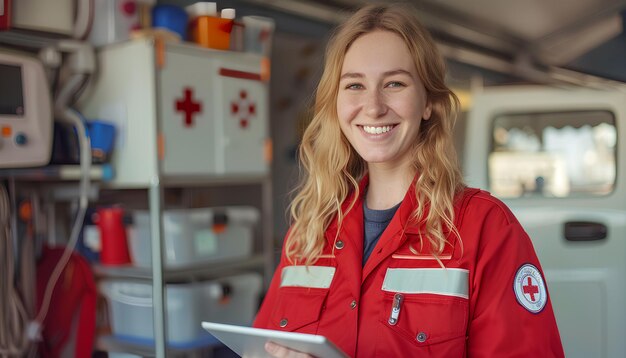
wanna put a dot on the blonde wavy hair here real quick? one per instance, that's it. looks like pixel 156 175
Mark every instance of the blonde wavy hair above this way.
pixel 331 168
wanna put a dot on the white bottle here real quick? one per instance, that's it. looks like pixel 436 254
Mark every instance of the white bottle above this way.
pixel 228 13
pixel 202 8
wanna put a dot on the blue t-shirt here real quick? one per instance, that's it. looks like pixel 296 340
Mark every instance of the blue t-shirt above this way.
pixel 375 222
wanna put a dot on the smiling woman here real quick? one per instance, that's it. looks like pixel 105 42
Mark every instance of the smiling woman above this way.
pixel 389 254
pixel 381 103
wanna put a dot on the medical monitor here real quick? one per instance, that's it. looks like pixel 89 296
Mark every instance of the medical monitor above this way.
pixel 26 116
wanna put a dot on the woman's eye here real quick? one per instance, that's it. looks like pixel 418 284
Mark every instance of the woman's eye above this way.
pixel 354 86
pixel 395 84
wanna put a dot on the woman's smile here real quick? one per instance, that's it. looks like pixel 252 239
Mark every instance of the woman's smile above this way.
pixel 377 129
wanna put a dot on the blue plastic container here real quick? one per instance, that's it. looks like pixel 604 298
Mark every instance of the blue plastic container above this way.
pixel 102 135
pixel 170 17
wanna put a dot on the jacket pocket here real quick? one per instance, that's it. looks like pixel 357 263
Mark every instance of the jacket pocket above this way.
pixel 426 319
pixel 427 324
pixel 298 309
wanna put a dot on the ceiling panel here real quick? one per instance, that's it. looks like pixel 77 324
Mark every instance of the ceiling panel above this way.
pixel 532 20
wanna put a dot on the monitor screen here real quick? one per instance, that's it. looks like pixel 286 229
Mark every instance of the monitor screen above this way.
pixel 11 90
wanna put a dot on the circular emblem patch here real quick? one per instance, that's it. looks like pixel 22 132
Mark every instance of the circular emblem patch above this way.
pixel 530 289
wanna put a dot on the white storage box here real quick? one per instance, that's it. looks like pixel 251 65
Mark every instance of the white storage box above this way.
pixel 130 311
pixel 194 236
pixel 233 299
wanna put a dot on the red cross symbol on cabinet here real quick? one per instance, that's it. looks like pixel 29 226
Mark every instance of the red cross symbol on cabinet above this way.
pixel 188 106
pixel 243 109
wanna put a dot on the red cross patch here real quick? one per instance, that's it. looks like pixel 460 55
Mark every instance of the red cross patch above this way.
pixel 530 289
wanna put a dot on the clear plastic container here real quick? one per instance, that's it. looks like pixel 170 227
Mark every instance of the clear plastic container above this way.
pixel 233 299
pixel 130 311
pixel 194 236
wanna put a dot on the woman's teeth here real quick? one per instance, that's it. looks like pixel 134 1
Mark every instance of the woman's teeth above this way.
pixel 377 130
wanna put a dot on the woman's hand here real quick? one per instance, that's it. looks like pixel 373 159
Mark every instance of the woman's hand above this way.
pixel 278 351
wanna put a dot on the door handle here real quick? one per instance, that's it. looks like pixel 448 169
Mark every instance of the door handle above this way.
pixel 584 231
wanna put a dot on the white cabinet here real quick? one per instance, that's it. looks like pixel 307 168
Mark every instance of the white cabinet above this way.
pixel 200 112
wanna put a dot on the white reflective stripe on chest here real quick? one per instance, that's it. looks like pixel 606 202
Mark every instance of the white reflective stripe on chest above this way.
pixel 307 276
pixel 449 282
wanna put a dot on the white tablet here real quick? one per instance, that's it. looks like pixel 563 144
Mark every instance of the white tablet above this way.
pixel 249 342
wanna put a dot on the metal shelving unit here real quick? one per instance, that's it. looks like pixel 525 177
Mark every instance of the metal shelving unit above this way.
pixel 146 84
pixel 158 275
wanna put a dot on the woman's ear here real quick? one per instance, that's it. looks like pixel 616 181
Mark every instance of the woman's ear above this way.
pixel 427 111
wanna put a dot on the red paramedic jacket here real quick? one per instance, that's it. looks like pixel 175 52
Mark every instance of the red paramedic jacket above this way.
pixel 490 300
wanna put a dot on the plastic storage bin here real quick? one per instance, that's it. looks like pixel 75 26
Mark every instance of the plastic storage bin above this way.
pixel 195 236
pixel 130 311
pixel 233 299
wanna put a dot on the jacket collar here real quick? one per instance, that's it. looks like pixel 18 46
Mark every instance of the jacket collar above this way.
pixel 352 225
pixel 351 231
pixel 395 235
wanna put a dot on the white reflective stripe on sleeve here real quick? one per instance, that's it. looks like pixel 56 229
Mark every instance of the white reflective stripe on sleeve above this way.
pixel 307 276
pixel 449 282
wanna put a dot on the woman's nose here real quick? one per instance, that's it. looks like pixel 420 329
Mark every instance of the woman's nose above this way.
pixel 375 105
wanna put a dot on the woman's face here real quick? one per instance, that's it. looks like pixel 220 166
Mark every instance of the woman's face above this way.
pixel 381 99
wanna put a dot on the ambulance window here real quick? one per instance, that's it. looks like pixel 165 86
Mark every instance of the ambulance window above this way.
pixel 554 154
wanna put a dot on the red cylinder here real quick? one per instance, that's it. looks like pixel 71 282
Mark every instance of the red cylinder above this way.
pixel 110 222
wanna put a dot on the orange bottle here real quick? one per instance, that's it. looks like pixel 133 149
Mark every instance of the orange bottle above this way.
pixel 206 28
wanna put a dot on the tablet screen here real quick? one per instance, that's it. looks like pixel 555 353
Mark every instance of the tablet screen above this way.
pixel 249 342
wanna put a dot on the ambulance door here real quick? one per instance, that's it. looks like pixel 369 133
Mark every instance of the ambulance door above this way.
pixel 558 159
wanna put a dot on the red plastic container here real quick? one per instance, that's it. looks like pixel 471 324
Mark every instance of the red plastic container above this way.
pixel 110 222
